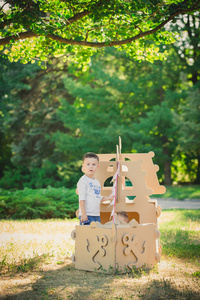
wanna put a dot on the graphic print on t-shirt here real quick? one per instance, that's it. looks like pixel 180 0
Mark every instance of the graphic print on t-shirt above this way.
pixel 95 188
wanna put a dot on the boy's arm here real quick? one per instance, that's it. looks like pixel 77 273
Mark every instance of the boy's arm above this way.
pixel 84 215
pixel 81 191
pixel 106 198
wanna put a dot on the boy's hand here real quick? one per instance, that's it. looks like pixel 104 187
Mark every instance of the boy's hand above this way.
pixel 84 218
pixel 106 198
pixel 111 197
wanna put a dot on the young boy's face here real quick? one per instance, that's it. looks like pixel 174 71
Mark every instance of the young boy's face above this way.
pixel 90 165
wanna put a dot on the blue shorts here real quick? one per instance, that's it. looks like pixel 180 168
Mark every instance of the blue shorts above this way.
pixel 90 219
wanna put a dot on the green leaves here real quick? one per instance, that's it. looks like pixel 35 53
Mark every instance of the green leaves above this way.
pixel 92 24
pixel 61 112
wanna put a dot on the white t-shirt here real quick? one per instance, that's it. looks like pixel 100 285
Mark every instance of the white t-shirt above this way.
pixel 90 191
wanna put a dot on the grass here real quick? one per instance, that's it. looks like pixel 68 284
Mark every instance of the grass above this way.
pixel 180 234
pixel 27 244
pixel 35 263
pixel 182 192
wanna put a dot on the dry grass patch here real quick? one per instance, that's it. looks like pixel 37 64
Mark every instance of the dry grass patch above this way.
pixel 35 264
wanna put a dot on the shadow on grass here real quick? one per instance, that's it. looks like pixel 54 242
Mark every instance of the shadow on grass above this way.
pixel 69 283
pixel 63 283
pixel 165 289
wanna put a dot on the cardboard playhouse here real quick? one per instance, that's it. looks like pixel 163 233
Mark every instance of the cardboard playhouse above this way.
pixel 118 246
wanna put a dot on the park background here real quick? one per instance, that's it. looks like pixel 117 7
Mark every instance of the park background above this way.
pixel 54 109
pixel 60 99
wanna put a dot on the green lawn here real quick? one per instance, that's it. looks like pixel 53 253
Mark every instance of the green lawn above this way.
pixel 180 233
pixel 182 192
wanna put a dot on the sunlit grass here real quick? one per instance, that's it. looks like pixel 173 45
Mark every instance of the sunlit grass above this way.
pixel 28 244
pixel 35 263
pixel 180 233
pixel 181 192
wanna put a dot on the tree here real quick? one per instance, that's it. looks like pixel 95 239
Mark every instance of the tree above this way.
pixel 157 131
pixel 58 114
pixel 187 46
pixel 119 96
pixel 30 98
pixel 189 130
pixel 42 29
pixel 188 113
pixel 11 79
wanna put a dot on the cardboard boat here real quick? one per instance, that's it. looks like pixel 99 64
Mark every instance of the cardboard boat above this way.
pixel 116 246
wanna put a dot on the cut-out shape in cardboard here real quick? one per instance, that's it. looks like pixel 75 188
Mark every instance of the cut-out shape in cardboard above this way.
pixel 114 245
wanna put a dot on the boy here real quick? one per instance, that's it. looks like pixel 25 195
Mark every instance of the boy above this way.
pixel 122 217
pixel 89 191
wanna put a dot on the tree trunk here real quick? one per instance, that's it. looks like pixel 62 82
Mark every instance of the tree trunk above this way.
pixel 167 172
pixel 167 167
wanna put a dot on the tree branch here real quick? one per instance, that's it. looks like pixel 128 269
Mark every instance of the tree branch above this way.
pixel 78 16
pixel 31 34
pixel 20 36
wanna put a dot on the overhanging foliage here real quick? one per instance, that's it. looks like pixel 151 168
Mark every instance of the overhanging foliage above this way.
pixel 40 29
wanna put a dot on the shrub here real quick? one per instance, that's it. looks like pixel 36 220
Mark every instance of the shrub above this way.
pixel 41 203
